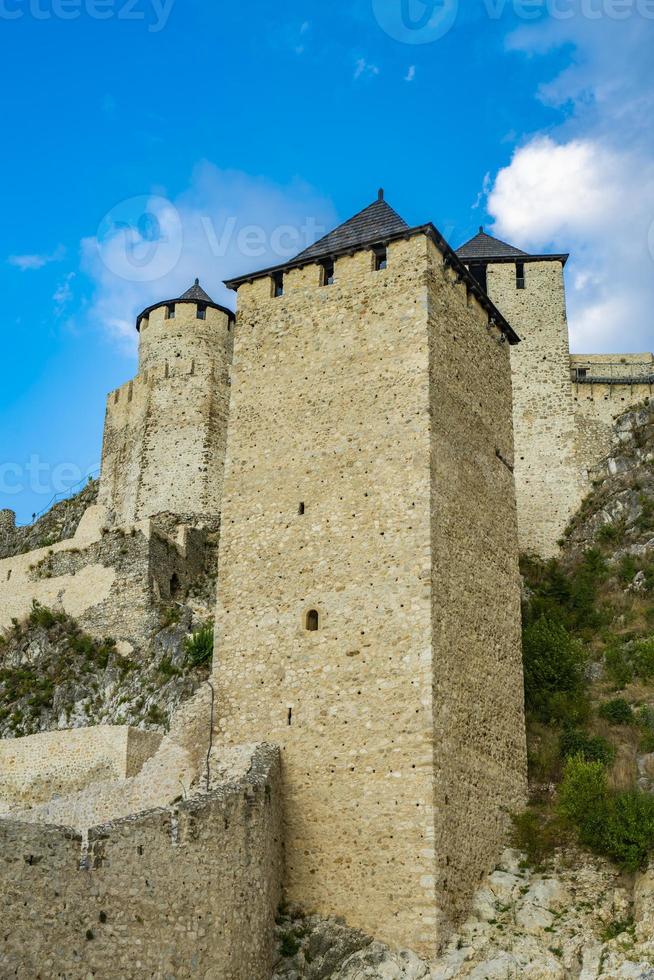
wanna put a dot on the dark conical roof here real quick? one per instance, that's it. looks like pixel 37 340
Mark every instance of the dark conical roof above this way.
pixel 374 223
pixel 484 246
pixel 196 292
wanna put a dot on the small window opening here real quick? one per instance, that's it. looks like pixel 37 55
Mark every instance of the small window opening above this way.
pixel 301 508
pixel 480 272
pixel 290 716
pixel 174 586
pixel 520 275
pixel 202 311
pixel 328 273
pixel 582 373
pixel 313 620
pixel 381 258
pixel 278 284
pixel 170 312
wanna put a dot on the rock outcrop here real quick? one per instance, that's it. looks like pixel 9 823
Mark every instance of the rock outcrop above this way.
pixel 579 919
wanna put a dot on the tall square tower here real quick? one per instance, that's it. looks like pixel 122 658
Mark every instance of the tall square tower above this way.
pixel 530 291
pixel 368 613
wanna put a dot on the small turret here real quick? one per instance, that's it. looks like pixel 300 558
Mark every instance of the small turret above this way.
pixel 165 431
pixel 189 326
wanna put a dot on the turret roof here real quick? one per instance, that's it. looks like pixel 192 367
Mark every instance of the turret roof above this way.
pixel 484 248
pixel 196 292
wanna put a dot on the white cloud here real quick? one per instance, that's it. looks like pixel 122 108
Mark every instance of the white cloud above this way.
pixel 588 186
pixel 364 69
pixel 64 292
pixel 597 203
pixel 411 74
pixel 150 249
pixel 36 261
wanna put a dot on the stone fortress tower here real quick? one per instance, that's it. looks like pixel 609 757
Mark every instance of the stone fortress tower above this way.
pixel 368 616
pixel 564 406
pixel 165 431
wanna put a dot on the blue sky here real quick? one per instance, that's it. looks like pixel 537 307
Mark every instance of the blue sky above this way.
pixel 175 138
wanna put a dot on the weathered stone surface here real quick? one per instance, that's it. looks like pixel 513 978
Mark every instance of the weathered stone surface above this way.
pixel 406 549
pixel 182 891
pixel 585 898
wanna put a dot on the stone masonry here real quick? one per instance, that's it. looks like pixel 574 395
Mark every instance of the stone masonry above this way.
pixel 185 890
pixel 368 597
pixel 564 406
pixel 165 431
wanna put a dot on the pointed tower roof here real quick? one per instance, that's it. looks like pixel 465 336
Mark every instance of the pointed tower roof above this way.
pixel 375 223
pixel 379 224
pixel 197 293
pixel 484 246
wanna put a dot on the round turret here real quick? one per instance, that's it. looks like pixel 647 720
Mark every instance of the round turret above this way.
pixel 191 326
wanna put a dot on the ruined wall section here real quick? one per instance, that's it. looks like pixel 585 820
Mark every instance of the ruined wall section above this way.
pixel 110 580
pixel 479 732
pixel 36 768
pixel 165 431
pixel 549 481
pixel 120 907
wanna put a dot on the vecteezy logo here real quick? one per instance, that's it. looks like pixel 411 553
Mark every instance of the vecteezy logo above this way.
pixel 416 21
pixel 141 239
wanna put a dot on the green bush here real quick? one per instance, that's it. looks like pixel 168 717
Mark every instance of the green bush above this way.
pixel 610 533
pixel 642 657
pixel 619 825
pixel 618 668
pixel 199 646
pixel 554 672
pixel 537 835
pixel 628 569
pixel 590 748
pixel 616 712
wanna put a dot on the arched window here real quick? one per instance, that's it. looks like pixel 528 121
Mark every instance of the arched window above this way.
pixel 313 620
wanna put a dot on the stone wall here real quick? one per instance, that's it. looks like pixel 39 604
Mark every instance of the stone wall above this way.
pixel 189 890
pixel 549 483
pixel 598 405
pixel 479 731
pixel 335 473
pixel 40 767
pixel 109 580
pixel 165 431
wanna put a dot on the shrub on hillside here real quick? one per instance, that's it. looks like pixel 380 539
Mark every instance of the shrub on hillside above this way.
pixel 199 646
pixel 591 748
pixel 618 825
pixel 616 712
pixel 554 672
pixel 567 597
pixel 642 657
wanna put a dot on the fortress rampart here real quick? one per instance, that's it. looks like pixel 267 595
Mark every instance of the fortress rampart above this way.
pixel 604 386
pixel 189 889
